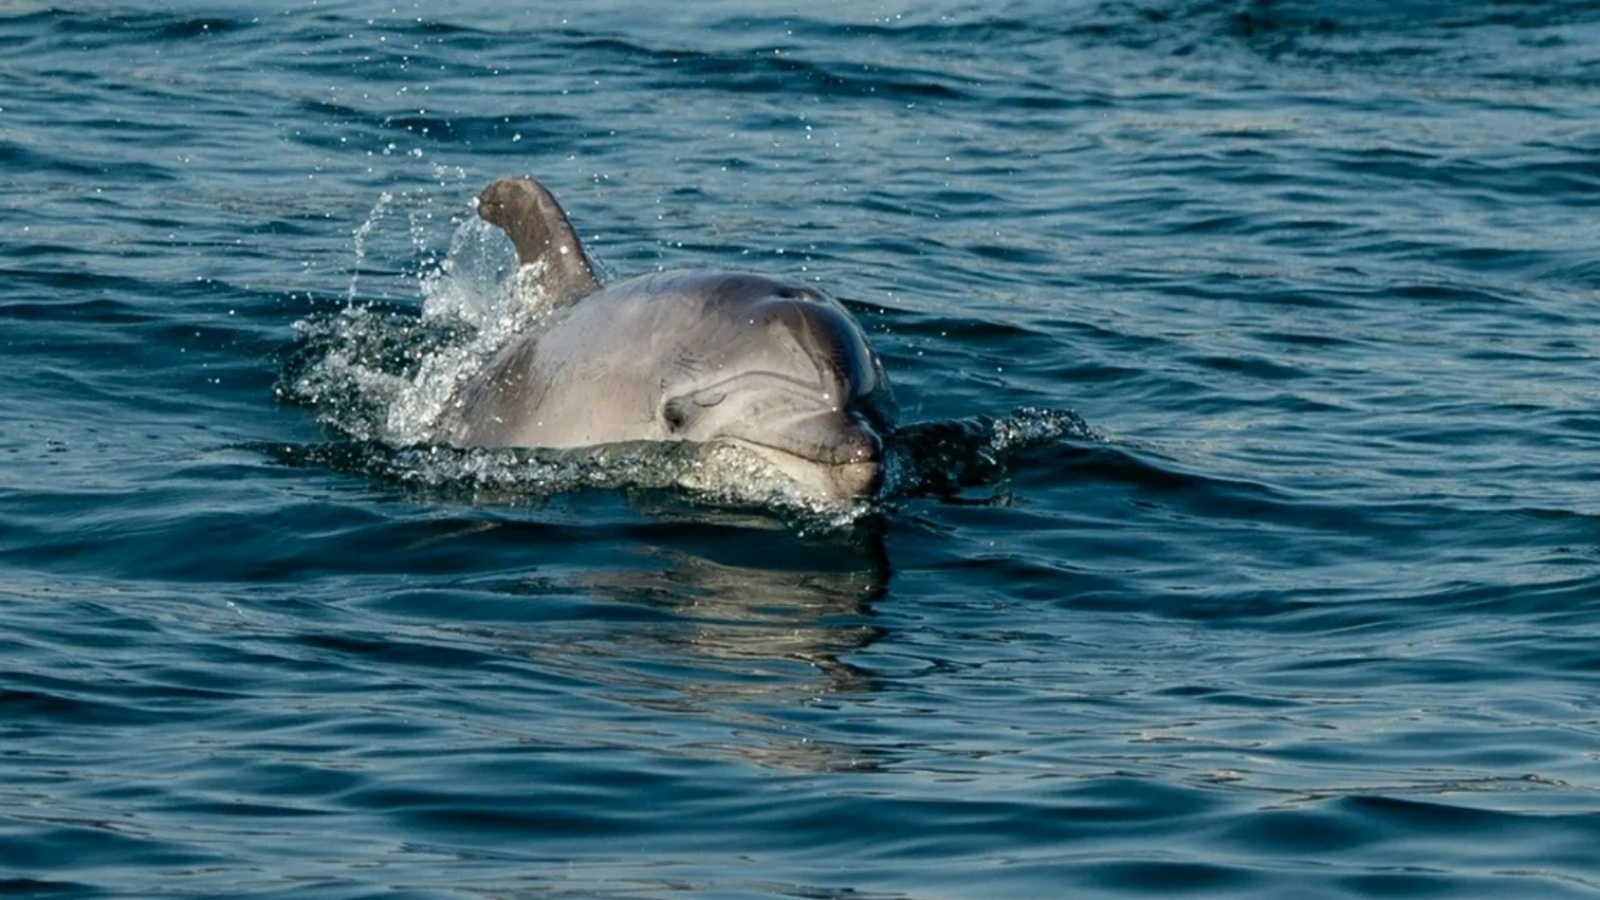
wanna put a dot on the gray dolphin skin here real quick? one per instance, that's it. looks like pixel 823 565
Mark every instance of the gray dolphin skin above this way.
pixel 774 367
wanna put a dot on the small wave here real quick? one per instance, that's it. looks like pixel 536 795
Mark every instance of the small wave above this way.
pixel 764 71
pixel 944 458
pixel 940 459
pixel 144 25
pixel 715 476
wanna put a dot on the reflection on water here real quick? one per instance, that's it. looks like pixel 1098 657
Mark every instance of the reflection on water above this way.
pixel 746 637
pixel 746 616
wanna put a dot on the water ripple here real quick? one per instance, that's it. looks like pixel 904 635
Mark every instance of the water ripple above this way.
pixel 1297 599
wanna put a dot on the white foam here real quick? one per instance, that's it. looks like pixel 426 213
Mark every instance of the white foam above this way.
pixel 480 287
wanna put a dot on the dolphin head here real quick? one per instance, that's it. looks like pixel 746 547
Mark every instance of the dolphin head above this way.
pixel 792 380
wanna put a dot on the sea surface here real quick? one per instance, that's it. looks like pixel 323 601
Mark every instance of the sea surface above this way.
pixel 1247 542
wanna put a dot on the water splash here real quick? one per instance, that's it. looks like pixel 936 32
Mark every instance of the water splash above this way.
pixel 359 238
pixel 477 291
pixel 946 457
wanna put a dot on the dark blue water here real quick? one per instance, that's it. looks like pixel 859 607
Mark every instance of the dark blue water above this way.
pixel 1311 609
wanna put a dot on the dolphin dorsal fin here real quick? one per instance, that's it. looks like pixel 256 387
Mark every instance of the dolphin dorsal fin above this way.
pixel 539 229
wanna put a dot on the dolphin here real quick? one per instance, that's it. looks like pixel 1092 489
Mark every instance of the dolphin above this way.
pixel 776 368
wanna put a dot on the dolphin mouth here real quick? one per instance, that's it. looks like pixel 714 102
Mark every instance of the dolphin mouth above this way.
pixel 853 471
pixel 826 438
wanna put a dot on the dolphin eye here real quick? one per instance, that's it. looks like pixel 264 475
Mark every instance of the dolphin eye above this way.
pixel 677 412
pixel 672 414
